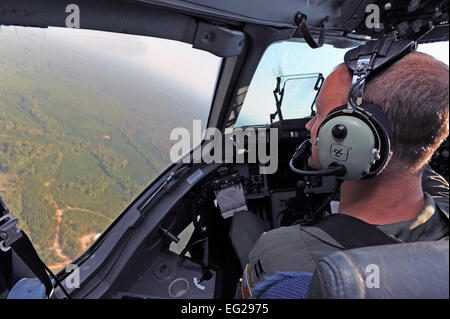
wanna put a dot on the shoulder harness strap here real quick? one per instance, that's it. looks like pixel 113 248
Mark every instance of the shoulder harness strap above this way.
pixel 351 232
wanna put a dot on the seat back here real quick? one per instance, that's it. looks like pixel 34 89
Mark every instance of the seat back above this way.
pixel 412 270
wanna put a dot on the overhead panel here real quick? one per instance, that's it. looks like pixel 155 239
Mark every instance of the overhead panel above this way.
pixel 267 12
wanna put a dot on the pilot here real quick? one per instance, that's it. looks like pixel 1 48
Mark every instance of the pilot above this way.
pixel 407 201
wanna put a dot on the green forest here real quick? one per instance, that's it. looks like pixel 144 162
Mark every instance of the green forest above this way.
pixel 80 136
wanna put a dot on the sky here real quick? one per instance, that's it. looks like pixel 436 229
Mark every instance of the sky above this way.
pixel 438 50
pixel 197 70
pixel 194 69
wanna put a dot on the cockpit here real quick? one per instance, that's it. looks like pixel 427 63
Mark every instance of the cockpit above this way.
pixel 190 232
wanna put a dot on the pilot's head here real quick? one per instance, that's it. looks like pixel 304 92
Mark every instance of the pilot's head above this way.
pixel 413 93
pixel 334 93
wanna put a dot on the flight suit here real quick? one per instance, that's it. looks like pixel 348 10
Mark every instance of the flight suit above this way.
pixel 298 248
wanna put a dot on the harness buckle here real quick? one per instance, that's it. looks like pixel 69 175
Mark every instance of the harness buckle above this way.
pixel 9 232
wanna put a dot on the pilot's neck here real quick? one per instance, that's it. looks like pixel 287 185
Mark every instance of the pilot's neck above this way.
pixel 382 200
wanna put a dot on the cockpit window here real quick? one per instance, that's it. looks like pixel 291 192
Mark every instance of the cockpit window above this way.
pixel 85 123
pixel 299 68
pixel 439 50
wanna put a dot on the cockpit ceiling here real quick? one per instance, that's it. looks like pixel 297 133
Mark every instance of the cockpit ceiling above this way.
pixel 405 16
pixel 267 12
pixel 346 20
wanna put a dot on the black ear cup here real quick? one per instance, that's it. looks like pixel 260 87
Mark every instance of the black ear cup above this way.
pixel 358 138
pixel 386 136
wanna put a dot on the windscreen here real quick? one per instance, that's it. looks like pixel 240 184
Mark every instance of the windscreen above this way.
pixel 299 67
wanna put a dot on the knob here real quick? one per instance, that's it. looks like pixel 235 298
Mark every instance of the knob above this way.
pixel 301 185
pixel 339 131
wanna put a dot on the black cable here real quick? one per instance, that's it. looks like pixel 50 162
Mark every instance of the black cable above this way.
pixel 318 211
pixel 197 205
pixel 302 151
pixel 206 273
pixel 188 247
pixel 194 215
pixel 361 81
pixel 337 186
pixel 336 170
pixel 354 87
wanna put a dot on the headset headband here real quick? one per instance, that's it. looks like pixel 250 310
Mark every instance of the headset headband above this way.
pixel 372 57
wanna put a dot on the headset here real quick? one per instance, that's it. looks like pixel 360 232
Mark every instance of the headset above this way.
pixel 355 141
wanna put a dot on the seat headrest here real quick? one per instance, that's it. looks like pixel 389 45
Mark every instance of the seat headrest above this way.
pixel 412 270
